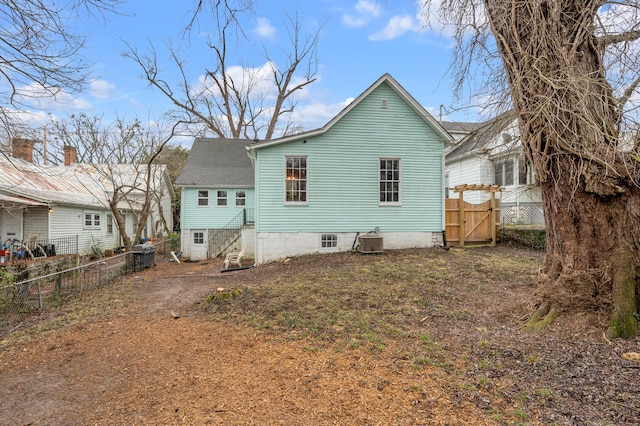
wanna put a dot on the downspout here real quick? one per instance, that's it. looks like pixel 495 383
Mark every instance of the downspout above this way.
pixel 444 208
pixel 256 213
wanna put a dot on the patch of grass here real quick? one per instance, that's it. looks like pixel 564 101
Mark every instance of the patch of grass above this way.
pixel 533 359
pixel 356 301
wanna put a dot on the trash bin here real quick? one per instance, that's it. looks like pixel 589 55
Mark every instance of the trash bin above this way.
pixel 144 256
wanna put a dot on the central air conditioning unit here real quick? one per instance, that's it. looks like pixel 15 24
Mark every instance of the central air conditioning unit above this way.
pixel 370 243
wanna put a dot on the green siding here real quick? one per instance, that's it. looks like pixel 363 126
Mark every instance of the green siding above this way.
pixel 211 216
pixel 343 189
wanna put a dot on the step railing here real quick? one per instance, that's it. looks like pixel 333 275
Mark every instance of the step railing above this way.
pixel 220 239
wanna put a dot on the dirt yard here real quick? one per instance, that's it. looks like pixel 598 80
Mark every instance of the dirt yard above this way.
pixel 147 351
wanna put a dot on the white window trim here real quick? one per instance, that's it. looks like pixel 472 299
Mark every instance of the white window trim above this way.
pixel 502 162
pixel 218 198
pixel 391 203
pixel 198 198
pixel 235 195
pixel 332 240
pixel 109 219
pixel 94 215
pixel 296 203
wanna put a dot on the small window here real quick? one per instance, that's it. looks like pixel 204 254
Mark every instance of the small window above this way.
pixel 203 198
pixel 222 198
pixel 109 224
pixel 241 198
pixel 92 220
pixel 198 237
pixel 296 180
pixel 329 240
pixel 389 181
pixel 504 173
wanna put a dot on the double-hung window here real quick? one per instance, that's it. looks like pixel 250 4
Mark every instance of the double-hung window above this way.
pixel 109 224
pixel 241 198
pixel 296 180
pixel 222 198
pixel 203 198
pixel 390 181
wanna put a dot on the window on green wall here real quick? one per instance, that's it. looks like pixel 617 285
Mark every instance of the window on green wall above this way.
pixel 296 180
pixel 241 198
pixel 222 198
pixel 390 181
pixel 203 198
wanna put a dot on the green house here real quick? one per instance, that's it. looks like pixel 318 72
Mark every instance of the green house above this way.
pixel 217 200
pixel 374 171
pixel 377 167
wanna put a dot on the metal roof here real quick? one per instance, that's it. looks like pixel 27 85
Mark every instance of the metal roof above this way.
pixel 22 182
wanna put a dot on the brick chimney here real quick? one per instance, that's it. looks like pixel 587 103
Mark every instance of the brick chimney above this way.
pixel 70 155
pixel 23 149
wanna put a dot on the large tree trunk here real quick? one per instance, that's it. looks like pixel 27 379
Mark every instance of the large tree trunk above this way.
pixel 592 256
pixel 568 123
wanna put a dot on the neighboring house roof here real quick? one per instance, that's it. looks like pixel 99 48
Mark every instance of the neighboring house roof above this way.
pixel 46 185
pixel 459 129
pixel 133 175
pixel 482 137
pixel 216 162
pixel 385 79
pixel 460 126
pixel 81 185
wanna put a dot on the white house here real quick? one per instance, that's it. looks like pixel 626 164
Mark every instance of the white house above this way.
pixel 491 154
pixel 70 203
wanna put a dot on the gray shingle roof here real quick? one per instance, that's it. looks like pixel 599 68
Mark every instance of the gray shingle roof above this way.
pixel 216 162
pixel 480 137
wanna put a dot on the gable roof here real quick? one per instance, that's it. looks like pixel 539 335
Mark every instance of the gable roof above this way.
pixel 479 139
pixel 218 162
pixel 385 79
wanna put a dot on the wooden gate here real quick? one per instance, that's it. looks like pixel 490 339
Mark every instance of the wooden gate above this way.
pixel 477 223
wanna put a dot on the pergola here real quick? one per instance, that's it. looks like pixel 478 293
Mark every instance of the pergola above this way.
pixel 492 189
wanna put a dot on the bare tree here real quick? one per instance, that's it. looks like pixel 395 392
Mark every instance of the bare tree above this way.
pixel 123 157
pixel 39 55
pixel 249 104
pixel 571 69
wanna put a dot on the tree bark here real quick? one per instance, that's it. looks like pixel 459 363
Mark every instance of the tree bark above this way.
pixel 568 118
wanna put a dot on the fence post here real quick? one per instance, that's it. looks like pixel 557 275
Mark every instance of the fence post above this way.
pixel 462 231
pixel 40 296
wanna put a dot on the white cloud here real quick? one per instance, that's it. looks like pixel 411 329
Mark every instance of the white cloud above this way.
pixel 397 26
pixel 365 11
pixel 35 95
pixel 314 115
pixel 264 29
pixel 101 89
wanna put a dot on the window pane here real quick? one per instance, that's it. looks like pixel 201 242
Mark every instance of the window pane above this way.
pixel 508 172
pixel 497 176
pixel 389 181
pixel 296 179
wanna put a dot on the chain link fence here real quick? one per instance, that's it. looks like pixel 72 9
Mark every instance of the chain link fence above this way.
pixel 46 284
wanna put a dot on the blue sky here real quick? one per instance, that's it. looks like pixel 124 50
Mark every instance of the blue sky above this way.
pixel 360 40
